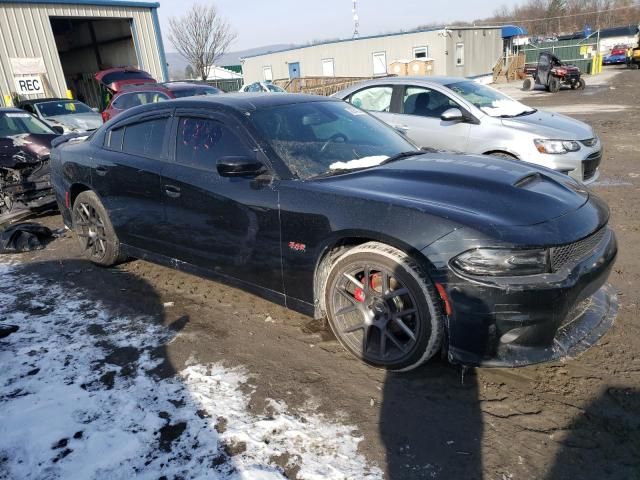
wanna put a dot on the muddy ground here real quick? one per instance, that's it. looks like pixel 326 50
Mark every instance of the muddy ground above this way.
pixel 578 419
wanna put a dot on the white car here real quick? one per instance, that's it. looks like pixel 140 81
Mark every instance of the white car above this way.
pixel 71 115
pixel 461 115
pixel 265 87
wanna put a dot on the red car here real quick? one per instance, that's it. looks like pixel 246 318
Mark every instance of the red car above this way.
pixel 134 95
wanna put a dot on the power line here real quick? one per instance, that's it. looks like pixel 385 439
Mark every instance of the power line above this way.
pixel 634 5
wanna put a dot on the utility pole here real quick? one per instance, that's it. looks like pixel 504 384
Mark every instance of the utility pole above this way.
pixel 356 22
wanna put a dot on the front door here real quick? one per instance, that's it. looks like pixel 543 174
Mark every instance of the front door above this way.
pixel 226 224
pixel 127 178
pixel 544 66
pixel 419 118
pixel 294 70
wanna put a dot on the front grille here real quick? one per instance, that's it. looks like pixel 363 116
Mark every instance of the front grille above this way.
pixel 590 165
pixel 589 142
pixel 574 252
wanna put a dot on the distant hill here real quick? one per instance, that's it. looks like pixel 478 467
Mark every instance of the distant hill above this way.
pixel 177 64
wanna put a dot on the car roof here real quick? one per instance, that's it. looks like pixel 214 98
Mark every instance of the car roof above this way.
pixel 408 79
pixel 239 102
pixel 33 101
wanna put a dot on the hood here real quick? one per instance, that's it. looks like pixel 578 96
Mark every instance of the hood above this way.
pixel 470 189
pixel 76 121
pixel 551 125
pixel 24 148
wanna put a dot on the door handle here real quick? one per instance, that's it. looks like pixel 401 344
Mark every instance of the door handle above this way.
pixel 172 191
pixel 102 171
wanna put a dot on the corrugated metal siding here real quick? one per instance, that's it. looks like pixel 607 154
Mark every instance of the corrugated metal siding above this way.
pixel 25 31
pixel 354 58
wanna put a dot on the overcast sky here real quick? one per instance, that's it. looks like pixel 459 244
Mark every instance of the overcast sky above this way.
pixel 266 22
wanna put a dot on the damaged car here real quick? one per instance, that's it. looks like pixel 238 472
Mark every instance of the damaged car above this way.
pixel 69 115
pixel 25 182
pixel 319 206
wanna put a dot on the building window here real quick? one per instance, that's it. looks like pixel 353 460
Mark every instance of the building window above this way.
pixel 327 67
pixel 421 52
pixel 267 73
pixel 459 54
pixel 380 63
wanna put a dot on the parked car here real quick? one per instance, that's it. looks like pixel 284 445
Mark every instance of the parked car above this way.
pixel 265 87
pixel 552 73
pixel 189 89
pixel 314 204
pixel 25 182
pixel 113 80
pixel 71 115
pixel 456 114
pixel 134 96
pixel 612 59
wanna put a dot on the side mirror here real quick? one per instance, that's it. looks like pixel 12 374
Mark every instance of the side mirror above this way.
pixel 452 115
pixel 240 167
pixel 58 129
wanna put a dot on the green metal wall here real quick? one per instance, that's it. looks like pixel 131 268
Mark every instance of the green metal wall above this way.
pixel 566 50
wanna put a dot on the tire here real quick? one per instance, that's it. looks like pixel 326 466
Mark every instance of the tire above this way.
pixel 368 322
pixel 94 231
pixel 527 85
pixel 580 84
pixel 554 85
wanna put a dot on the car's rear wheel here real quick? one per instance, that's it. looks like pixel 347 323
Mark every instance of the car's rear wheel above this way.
pixel 383 308
pixel 554 85
pixel 527 84
pixel 580 84
pixel 94 231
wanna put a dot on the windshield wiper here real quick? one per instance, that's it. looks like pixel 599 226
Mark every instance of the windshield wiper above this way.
pixel 336 171
pixel 402 155
pixel 521 114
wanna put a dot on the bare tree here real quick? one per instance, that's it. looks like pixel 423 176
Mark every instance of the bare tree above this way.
pixel 201 36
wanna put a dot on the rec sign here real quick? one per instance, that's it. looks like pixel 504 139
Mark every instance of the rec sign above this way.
pixel 29 85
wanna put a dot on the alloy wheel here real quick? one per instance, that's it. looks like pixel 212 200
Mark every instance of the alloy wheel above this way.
pixel 90 229
pixel 375 313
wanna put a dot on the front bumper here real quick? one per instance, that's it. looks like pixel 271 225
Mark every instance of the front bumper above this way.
pixel 582 165
pixel 512 322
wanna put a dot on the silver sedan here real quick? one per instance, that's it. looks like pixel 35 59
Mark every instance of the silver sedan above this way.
pixel 461 115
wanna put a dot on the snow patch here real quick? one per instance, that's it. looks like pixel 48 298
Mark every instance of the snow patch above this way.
pixel 79 400
pixel 371 161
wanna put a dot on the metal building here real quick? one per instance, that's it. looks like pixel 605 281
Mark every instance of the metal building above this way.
pixel 455 51
pixel 54 47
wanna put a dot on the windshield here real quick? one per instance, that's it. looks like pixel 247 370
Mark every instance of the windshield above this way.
pixel 196 91
pixel 274 88
pixel 53 109
pixel 16 123
pixel 317 138
pixel 490 101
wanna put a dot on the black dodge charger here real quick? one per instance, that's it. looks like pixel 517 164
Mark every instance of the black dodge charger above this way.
pixel 318 206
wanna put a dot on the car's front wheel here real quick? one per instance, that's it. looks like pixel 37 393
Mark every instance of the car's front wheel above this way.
pixel 554 85
pixel 383 308
pixel 92 226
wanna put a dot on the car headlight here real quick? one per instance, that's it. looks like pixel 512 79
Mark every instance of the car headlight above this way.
pixel 556 146
pixel 497 262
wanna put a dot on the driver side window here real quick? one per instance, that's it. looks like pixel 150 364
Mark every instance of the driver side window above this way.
pixel 374 99
pixel 425 102
pixel 202 141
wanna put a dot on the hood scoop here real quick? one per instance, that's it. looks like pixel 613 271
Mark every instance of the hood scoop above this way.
pixel 527 180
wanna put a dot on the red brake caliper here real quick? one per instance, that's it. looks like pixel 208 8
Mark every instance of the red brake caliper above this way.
pixel 374 281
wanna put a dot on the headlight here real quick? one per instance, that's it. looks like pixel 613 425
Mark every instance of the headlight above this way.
pixel 556 146
pixel 493 261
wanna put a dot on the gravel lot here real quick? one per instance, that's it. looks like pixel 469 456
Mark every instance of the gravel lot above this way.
pixel 142 370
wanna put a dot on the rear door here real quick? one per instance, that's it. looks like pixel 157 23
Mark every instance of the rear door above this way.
pixel 419 118
pixel 544 66
pixel 226 224
pixel 126 177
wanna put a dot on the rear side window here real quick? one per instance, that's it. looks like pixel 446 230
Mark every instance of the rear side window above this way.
pixel 202 141
pixel 144 138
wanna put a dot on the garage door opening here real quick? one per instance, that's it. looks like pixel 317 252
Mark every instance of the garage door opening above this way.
pixel 88 45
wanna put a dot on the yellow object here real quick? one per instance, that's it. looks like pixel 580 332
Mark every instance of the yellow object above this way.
pixel 7 101
pixel 69 94
pixel 600 57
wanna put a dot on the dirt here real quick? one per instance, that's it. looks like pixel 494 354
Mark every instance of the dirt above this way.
pixel 578 419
